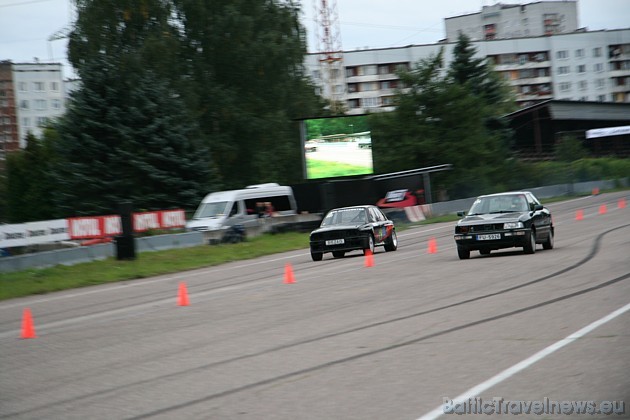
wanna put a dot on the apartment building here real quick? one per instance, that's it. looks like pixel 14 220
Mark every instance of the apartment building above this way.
pixel 501 21
pixel 30 95
pixel 577 66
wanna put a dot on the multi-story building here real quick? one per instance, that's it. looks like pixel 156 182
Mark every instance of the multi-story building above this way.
pixel 515 21
pixel 30 95
pixel 579 66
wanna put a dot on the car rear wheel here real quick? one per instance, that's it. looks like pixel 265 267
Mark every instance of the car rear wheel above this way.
pixel 317 256
pixel 548 244
pixel 339 254
pixel 463 253
pixel 370 247
pixel 530 246
pixel 391 244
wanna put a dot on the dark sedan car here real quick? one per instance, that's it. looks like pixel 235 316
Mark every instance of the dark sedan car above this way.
pixel 506 220
pixel 353 228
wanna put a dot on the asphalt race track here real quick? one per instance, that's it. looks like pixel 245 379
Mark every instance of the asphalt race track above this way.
pixel 345 341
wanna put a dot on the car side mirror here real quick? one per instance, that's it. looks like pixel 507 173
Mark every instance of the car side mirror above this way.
pixel 461 213
pixel 538 207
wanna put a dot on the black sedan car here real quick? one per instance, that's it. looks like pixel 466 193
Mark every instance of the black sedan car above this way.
pixel 353 228
pixel 506 220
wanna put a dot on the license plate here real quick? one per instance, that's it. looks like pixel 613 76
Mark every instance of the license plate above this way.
pixel 489 237
pixel 335 242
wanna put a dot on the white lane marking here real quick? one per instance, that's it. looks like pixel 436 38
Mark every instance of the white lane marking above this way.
pixel 509 372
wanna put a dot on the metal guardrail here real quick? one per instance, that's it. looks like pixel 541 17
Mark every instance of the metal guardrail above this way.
pixel 72 256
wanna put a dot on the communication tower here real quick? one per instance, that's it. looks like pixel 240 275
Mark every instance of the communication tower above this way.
pixel 330 53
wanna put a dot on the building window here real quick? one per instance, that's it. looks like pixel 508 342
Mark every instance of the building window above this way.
pixel 353 87
pixel 584 98
pixel 55 103
pixel 41 121
pixel 4 103
pixel 40 104
pixel 579 53
pixel 370 102
pixel 316 74
pixel 369 86
pixel 54 86
pixel 526 74
pixel 38 86
pixel 388 100
pixel 3 93
pixel 369 70
pixel 26 122
pixel 599 67
pixel 564 70
pixel 581 68
pixel 565 86
pixel 600 83
pixel 564 54
pixel 353 103
pixel 22 86
pixel 597 52
pixel 601 98
pixel 351 71
pixel 23 104
pixel 582 84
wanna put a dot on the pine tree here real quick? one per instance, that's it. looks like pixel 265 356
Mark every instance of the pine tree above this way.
pixel 127 139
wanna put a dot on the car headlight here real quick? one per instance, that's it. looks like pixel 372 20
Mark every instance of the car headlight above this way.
pixel 513 225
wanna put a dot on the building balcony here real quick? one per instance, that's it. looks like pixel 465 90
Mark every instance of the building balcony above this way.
pixel 619 73
pixel 534 96
pixel 621 88
pixel 531 81
pixel 527 65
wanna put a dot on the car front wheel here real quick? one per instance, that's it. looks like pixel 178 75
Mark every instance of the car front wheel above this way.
pixel 463 253
pixel 317 256
pixel 530 246
pixel 370 247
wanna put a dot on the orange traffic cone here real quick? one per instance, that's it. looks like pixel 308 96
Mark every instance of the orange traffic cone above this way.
pixel 369 258
pixel 432 248
pixel 182 296
pixel 289 278
pixel 28 330
pixel 595 191
pixel 622 203
pixel 579 215
pixel 602 209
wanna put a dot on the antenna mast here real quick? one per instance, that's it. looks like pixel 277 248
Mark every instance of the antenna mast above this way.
pixel 329 51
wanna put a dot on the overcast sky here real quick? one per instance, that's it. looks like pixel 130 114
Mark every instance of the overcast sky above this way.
pixel 27 25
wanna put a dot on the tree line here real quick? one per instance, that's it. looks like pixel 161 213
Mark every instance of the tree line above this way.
pixel 179 98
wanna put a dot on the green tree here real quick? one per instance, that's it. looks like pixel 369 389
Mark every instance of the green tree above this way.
pixel 237 66
pixel 29 186
pixel 442 118
pixel 127 139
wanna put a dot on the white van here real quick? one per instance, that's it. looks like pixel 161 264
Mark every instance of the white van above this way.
pixel 224 209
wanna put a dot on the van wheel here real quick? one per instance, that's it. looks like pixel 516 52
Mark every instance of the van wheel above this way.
pixel 317 256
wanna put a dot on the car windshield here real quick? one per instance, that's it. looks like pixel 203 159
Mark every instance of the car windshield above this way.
pixel 345 217
pixel 215 209
pixel 499 204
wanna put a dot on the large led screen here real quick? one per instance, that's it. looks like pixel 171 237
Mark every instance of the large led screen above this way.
pixel 337 147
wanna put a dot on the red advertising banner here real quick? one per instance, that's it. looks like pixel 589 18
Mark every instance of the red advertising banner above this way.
pixel 104 226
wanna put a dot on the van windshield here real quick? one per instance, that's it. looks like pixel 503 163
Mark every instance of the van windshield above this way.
pixel 215 209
